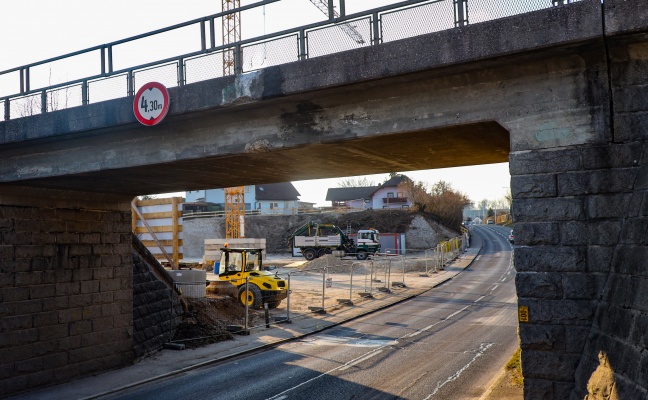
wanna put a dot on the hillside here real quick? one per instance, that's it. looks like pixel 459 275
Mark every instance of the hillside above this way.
pixel 421 230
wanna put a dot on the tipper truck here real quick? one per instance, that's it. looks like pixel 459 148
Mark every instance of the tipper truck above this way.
pixel 314 240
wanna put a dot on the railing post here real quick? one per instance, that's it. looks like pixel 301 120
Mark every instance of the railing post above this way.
pixel 27 84
pixel 181 77
pixel 376 39
pixel 103 61
pixel 301 38
pixel 203 41
pixel 130 82
pixel 84 93
pixel 7 109
pixel 110 60
pixel 238 60
pixel 461 12
pixel 212 33
pixel 43 98
pixel 342 9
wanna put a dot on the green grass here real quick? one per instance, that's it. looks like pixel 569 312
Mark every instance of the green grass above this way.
pixel 514 367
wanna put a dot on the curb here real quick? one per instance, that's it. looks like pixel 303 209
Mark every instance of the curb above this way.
pixel 278 342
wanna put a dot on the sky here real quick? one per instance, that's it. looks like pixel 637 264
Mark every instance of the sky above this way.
pixel 33 30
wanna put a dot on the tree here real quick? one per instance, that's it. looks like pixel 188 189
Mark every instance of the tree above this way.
pixel 355 181
pixel 417 193
pixel 391 175
pixel 440 200
pixel 508 198
pixel 448 204
pixel 490 212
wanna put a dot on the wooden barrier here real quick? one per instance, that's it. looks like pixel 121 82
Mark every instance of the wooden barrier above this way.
pixel 158 224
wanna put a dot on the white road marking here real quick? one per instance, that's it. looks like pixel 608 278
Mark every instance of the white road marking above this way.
pixel 482 349
pixel 479 299
pixel 359 360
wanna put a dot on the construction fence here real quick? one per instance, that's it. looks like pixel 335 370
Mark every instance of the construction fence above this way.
pixel 330 282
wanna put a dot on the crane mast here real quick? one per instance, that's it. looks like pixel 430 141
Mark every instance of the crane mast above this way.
pixel 346 28
pixel 234 196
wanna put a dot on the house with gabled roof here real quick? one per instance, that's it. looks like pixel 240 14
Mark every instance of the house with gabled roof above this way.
pixel 272 198
pixel 277 198
pixel 383 196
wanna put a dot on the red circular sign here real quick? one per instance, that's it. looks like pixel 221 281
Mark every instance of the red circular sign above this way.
pixel 151 103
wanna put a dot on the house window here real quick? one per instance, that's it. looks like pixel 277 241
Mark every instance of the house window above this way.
pixel 390 194
pixel 274 205
pixel 400 195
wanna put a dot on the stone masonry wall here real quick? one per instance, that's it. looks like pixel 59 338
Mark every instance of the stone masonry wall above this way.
pixel 619 336
pixel 581 231
pixel 156 306
pixel 65 294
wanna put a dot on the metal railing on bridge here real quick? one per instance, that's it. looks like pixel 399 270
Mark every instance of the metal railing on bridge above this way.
pixel 28 90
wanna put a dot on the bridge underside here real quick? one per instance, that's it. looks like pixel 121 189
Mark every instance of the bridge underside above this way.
pixel 472 144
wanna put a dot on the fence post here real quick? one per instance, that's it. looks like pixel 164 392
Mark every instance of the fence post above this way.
pixel 323 287
pixel 301 38
pixel 388 275
pixel 43 99
pixel 238 60
pixel 461 12
pixel 375 29
pixel 288 300
pixel 247 306
pixel 351 284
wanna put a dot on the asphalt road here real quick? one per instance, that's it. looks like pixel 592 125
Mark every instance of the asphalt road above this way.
pixel 449 343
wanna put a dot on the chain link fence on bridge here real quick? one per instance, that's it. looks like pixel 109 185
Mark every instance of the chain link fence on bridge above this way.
pixel 31 90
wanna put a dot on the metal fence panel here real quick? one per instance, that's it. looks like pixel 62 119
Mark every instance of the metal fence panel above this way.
pixel 203 67
pixel 271 52
pixel 25 106
pixel 488 10
pixel 336 38
pixel 65 97
pixel 112 87
pixel 417 20
pixel 166 74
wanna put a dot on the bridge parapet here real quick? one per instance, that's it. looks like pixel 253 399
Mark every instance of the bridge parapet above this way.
pixel 31 91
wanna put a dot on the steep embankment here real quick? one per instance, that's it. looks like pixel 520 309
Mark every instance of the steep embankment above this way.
pixel 421 230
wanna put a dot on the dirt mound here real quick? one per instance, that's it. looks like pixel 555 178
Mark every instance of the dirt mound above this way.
pixel 425 230
pixel 422 230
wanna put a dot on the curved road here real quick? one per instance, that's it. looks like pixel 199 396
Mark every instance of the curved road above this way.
pixel 448 343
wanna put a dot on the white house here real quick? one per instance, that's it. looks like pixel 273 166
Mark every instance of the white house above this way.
pixel 275 198
pixel 383 196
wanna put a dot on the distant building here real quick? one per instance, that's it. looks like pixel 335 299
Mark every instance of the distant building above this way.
pixel 382 196
pixel 273 198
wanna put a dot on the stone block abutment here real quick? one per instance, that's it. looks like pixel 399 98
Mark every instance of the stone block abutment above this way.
pixel 66 286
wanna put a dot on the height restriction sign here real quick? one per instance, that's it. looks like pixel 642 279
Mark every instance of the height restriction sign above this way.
pixel 151 103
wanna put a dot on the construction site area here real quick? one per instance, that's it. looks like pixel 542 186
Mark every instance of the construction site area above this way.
pixel 293 266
